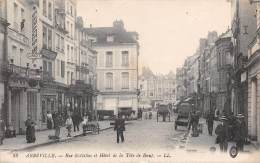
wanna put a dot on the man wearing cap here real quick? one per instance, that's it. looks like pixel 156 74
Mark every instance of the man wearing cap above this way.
pixel 240 132
pixel 222 134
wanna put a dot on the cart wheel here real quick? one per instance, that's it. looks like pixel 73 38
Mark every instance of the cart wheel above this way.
pixel 233 151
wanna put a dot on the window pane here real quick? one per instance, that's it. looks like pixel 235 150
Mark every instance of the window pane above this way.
pixel 58 67
pixel 62 69
pixel 62 43
pixel 44 66
pixel 44 34
pixel 57 41
pixel 50 11
pixel 109 59
pixel 44 8
pixel 125 80
pixel 49 39
pixel 125 58
pixel 109 81
pixel 50 68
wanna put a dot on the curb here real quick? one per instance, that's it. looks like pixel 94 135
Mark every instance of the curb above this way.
pixel 61 140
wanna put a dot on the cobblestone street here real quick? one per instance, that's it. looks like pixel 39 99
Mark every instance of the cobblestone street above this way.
pixel 142 135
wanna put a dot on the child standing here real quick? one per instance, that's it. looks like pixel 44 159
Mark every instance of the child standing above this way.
pixel 69 125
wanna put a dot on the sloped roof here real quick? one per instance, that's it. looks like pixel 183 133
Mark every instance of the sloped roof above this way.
pixel 120 35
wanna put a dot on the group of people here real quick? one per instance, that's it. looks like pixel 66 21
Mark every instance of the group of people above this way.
pixel 55 121
pixel 231 128
pixel 193 122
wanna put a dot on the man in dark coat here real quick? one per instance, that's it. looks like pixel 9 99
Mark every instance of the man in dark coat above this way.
pixel 30 130
pixel 2 131
pixel 222 134
pixel 240 132
pixel 119 128
pixel 76 118
pixel 210 122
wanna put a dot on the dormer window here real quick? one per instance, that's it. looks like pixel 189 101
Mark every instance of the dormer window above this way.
pixel 110 38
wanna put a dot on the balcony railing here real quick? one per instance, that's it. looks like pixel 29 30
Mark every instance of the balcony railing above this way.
pixel 84 69
pixel 19 71
pixel 18 36
pixel 85 43
pixel 47 76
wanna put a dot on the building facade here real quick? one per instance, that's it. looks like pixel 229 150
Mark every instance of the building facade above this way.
pixel 3 60
pixel 243 28
pixel 157 89
pixel 225 61
pixel 117 68
pixel 46 51
pixel 253 70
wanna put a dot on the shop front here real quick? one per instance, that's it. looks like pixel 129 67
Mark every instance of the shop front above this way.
pixel 81 97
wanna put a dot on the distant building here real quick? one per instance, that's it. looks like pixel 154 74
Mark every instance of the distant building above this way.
pixel 225 59
pixel 157 88
pixel 117 67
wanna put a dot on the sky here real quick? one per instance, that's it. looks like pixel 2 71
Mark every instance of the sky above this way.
pixel 169 30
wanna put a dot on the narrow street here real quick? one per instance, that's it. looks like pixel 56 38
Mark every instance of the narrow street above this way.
pixel 142 135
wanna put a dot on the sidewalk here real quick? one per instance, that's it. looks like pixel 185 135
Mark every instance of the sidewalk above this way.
pixel 203 142
pixel 19 142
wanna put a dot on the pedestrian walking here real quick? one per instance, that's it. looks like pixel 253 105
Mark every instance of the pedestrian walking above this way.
pixel 76 118
pixel 210 122
pixel 222 134
pixel 240 132
pixel 119 128
pixel 49 120
pixel 69 125
pixel 216 114
pixel 57 124
pixel 195 122
pixel 84 123
pixel 30 130
pixel 2 131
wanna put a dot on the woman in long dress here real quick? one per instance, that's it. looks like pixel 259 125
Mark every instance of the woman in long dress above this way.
pixel 30 130
pixel 49 120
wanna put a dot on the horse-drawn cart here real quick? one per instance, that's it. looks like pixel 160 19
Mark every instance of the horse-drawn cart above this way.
pixel 164 111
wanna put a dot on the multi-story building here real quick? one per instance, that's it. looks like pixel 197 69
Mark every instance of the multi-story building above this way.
pixel 192 75
pixel 208 73
pixel 3 60
pixel 117 68
pixel 181 86
pixel 83 91
pixel 253 70
pixel 225 61
pixel 243 26
pixel 157 89
pixel 23 75
pixel 44 56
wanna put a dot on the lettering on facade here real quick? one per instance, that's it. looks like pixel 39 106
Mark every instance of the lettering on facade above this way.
pixel 34 55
